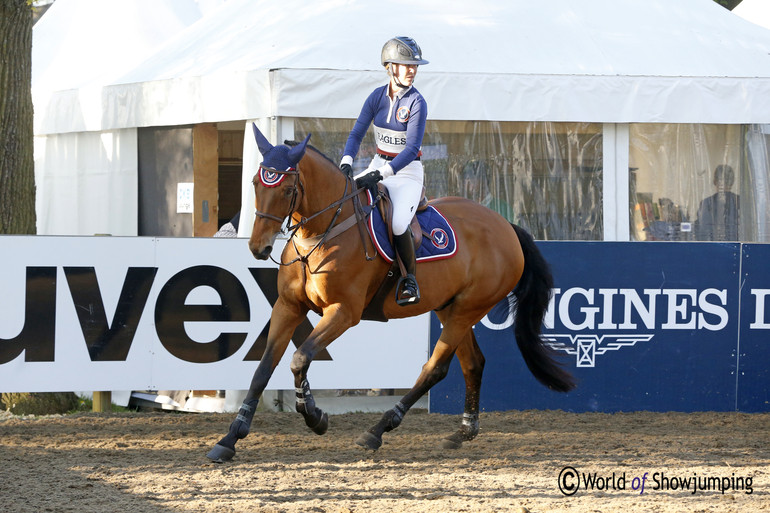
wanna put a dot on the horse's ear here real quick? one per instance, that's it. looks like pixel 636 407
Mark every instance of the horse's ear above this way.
pixel 296 153
pixel 262 143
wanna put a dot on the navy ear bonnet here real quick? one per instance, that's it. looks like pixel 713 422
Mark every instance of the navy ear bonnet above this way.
pixel 279 158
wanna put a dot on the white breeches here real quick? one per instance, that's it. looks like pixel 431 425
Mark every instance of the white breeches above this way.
pixel 405 189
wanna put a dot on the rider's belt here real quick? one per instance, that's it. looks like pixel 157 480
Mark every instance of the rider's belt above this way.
pixel 387 156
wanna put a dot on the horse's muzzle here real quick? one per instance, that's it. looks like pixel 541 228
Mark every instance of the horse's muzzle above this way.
pixel 262 254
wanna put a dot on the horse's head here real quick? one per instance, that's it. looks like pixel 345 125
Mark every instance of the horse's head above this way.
pixel 277 187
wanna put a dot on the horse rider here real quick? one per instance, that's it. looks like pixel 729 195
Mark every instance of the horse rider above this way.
pixel 398 111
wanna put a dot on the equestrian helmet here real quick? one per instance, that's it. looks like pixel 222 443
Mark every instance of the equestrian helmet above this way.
pixel 402 50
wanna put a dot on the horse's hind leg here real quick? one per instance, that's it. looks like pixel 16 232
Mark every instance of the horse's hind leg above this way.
pixel 472 363
pixel 432 372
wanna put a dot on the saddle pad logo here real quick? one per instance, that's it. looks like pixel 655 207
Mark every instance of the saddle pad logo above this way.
pixel 270 177
pixel 439 238
pixel 442 242
pixel 402 114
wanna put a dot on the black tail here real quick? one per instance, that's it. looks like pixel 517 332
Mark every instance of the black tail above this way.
pixel 532 293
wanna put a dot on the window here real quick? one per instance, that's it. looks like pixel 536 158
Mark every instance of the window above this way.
pixel 698 182
pixel 547 177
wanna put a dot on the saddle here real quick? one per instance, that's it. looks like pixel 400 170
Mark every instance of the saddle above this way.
pixel 385 206
pixel 374 310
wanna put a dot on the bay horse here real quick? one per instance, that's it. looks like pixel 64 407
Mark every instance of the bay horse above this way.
pixel 327 268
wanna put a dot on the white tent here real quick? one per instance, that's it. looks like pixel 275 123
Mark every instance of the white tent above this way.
pixel 604 61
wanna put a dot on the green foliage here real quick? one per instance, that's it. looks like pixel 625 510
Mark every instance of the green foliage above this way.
pixel 50 403
pixel 728 4
pixel 40 403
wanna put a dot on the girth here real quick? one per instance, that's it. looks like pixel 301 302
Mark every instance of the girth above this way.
pixel 374 310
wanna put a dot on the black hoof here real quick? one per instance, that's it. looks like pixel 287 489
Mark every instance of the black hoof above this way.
pixel 322 426
pixel 369 441
pixel 220 454
pixel 451 443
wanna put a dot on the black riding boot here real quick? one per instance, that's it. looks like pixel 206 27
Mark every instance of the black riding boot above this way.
pixel 407 291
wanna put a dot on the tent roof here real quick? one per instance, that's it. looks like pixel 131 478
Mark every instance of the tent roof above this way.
pixel 553 60
pixel 78 42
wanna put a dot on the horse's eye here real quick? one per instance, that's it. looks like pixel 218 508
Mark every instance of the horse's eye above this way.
pixel 288 192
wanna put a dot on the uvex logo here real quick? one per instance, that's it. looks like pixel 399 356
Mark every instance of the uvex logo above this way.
pixel 111 341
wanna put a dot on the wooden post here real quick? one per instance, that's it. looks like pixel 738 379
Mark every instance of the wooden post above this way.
pixel 205 178
pixel 102 402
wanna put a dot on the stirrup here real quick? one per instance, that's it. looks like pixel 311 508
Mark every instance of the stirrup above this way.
pixel 410 295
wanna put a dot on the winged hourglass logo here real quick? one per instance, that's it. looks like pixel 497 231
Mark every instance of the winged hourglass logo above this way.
pixel 587 347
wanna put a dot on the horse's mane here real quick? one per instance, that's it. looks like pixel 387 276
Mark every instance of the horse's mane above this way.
pixel 294 143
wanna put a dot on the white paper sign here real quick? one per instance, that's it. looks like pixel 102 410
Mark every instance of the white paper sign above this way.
pixel 184 198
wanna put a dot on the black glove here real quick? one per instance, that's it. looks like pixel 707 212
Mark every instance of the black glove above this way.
pixel 346 169
pixel 369 180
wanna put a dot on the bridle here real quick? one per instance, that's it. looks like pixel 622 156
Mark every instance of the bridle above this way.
pixel 296 189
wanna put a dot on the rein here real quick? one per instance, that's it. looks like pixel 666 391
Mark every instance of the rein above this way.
pixel 332 230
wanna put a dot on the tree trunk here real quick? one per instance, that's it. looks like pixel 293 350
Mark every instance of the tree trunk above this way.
pixel 17 166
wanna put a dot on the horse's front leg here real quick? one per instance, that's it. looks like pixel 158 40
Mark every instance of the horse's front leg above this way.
pixel 335 321
pixel 283 322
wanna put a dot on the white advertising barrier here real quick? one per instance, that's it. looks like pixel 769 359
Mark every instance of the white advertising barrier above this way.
pixel 135 313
